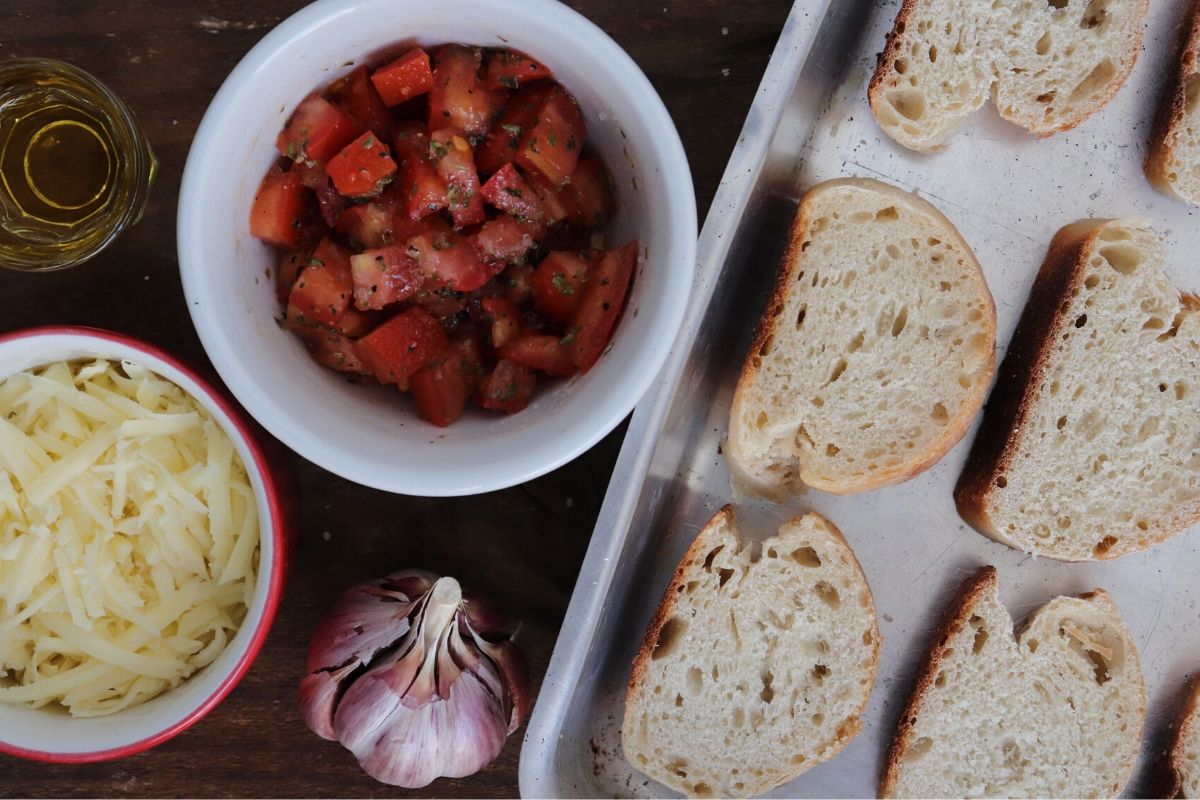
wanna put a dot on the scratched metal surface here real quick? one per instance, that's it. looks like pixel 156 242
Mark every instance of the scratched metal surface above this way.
pixel 1008 194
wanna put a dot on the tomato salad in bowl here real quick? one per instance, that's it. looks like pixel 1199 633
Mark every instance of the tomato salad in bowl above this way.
pixel 437 221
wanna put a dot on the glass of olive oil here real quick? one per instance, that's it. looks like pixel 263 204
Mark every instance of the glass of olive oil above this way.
pixel 75 167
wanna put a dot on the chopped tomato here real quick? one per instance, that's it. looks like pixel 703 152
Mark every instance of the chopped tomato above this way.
pixel 505 317
pixel 355 323
pixel 290 266
pixel 509 387
pixel 542 352
pixel 404 344
pixel 405 78
pixel 279 209
pixel 500 146
pixel 456 168
pixel 556 203
pixel 589 194
pixel 365 225
pixel 384 276
pixel 422 191
pixel 316 131
pixel 362 168
pixel 357 95
pixel 513 70
pixel 507 191
pixel 323 290
pixel 601 305
pixel 517 282
pixel 552 143
pixel 330 348
pixel 558 284
pixel 441 301
pixel 449 259
pixel 442 389
pixel 458 99
pixel 329 202
pixel 504 239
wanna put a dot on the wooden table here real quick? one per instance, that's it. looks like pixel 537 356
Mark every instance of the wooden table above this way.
pixel 523 547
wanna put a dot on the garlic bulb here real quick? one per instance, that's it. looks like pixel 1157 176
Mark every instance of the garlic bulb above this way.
pixel 415 679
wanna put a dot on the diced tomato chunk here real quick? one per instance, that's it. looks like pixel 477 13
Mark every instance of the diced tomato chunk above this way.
pixel 322 292
pixel 442 389
pixel 458 99
pixel 552 143
pixel 330 348
pixel 601 305
pixel 448 258
pixel 503 140
pixel 507 191
pixel 290 265
pixel 506 319
pixel 316 131
pixel 363 167
pixel 440 300
pixel 357 95
pixel 279 209
pixel 329 202
pixel 544 353
pixel 509 387
pixel 517 282
pixel 556 204
pixel 504 239
pixel 405 78
pixel 512 70
pixel 356 324
pixel 422 191
pixel 589 194
pixel 558 284
pixel 384 276
pixel 404 344
pixel 456 168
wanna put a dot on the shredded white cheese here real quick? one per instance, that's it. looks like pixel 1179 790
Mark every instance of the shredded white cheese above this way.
pixel 128 537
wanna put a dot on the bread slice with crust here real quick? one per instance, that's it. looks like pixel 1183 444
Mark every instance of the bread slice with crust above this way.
pixel 756 667
pixel 1048 66
pixel 873 354
pixel 1056 711
pixel 1090 445
pixel 1178 772
pixel 1173 165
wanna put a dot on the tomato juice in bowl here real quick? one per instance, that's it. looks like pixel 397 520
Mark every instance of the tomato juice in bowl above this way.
pixel 363 432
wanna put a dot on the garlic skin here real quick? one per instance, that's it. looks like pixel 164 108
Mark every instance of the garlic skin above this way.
pixel 415 679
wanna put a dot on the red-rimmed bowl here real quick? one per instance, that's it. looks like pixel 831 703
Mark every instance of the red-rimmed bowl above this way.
pixel 49 733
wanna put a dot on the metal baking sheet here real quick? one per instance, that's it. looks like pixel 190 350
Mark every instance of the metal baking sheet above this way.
pixel 1008 194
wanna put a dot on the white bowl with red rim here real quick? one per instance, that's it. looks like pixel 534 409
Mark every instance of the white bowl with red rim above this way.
pixel 369 434
pixel 49 733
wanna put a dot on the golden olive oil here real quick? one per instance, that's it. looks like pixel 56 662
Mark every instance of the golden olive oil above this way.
pixel 75 169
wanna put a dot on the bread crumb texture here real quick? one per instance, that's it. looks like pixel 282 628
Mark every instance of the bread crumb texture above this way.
pixel 757 667
pixel 1174 163
pixel 1054 712
pixel 1047 64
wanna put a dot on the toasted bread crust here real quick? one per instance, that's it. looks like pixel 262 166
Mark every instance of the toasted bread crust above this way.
pixel 1022 372
pixel 1174 106
pixel 887 60
pixel 955 616
pixel 1168 778
pixel 791 262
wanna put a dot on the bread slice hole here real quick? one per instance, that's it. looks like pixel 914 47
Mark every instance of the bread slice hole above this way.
pixel 702 790
pixel 768 692
pixel 678 766
pixel 1191 95
pixel 679 704
pixel 761 420
pixel 818 718
pixel 838 368
pixel 801 315
pixel 739 718
pixel 1081 320
pixel 1043 44
pixel 1100 665
pixel 1047 97
pixel 669 637
pixel 918 750
pixel 981 637
pixel 1032 644
pixel 890 214
pixel 900 322
pixel 806 557
pixel 1002 482
pixel 1091 281
pixel 829 595
pixel 1103 546
pixel 1095 15
pixel 940 680
pixel 723 577
pixel 939 414
pixel 695 680
pixel 712 554
pixel 820 672
pixel 1096 81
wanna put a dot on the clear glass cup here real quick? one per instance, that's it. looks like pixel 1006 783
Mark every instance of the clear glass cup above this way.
pixel 75 166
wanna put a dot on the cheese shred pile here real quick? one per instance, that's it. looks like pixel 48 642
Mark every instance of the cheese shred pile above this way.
pixel 128 537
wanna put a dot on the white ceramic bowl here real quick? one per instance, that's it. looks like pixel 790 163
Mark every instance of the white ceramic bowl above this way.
pixel 369 434
pixel 49 733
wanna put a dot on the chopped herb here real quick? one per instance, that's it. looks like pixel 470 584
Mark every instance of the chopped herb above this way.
pixel 511 129
pixel 316 262
pixel 369 142
pixel 512 191
pixel 441 243
pixel 562 284
pixel 533 145
pixel 292 152
pixel 446 113
pixel 438 149
pixel 571 143
pixel 509 81
pixel 454 196
pixel 446 291
pixel 552 139
pixel 296 222
pixel 570 338
pixel 507 392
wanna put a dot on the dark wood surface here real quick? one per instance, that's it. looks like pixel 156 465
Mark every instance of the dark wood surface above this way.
pixel 523 546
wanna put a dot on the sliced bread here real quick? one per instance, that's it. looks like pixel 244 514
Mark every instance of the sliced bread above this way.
pixel 1174 163
pixel 1054 712
pixel 874 352
pixel 752 671
pixel 1048 65
pixel 1178 774
pixel 1090 446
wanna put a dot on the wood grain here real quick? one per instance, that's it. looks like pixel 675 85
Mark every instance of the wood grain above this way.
pixel 523 546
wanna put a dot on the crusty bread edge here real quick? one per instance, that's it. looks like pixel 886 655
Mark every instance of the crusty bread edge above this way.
pixel 1168 772
pixel 666 607
pixel 1173 108
pixel 1023 370
pixel 956 427
pixel 955 616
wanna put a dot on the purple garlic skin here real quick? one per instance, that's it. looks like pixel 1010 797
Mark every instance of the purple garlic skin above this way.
pixel 415 679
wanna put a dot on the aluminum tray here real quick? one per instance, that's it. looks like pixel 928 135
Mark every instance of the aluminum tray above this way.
pixel 1008 194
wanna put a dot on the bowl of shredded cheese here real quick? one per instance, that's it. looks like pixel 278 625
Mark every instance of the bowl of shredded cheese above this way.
pixel 142 532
